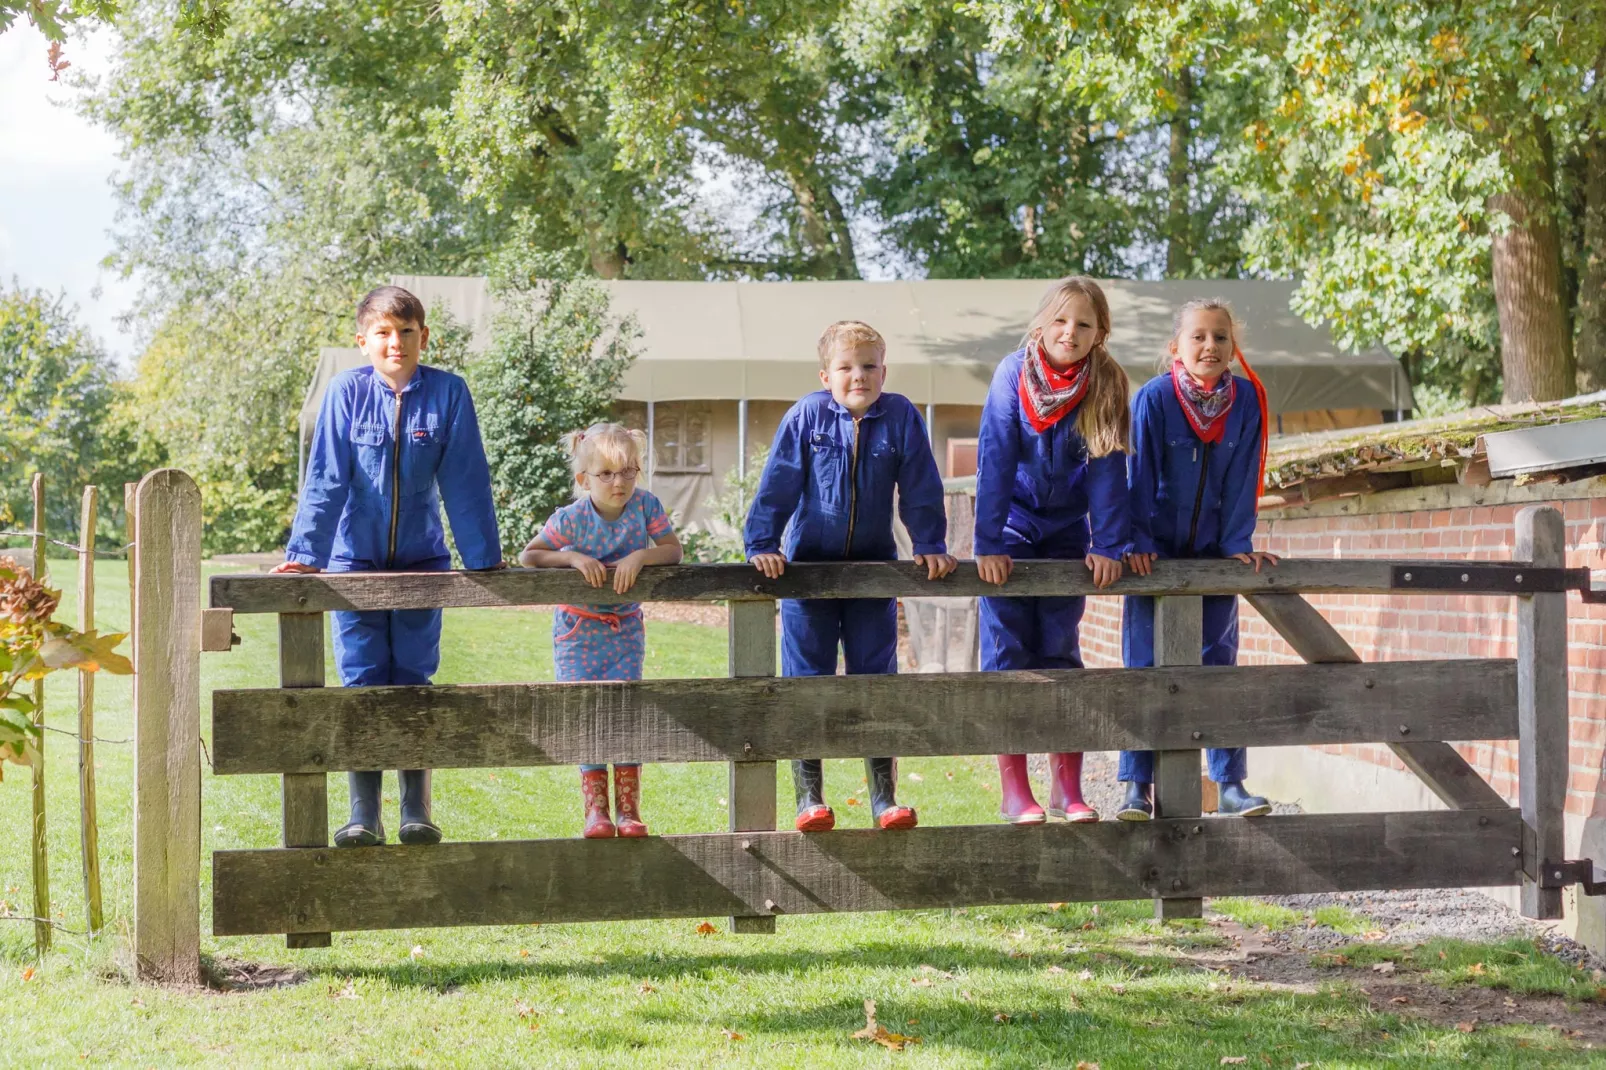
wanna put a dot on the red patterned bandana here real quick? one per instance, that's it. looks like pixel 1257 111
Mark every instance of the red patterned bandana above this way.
pixel 1047 396
pixel 1205 408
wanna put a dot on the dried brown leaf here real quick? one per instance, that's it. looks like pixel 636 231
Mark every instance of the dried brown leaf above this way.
pixel 1467 1027
pixel 705 929
pixel 1234 1060
pixel 1384 968
pixel 732 1035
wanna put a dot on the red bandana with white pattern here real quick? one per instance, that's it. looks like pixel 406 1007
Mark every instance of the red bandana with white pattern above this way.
pixel 1046 395
pixel 1205 407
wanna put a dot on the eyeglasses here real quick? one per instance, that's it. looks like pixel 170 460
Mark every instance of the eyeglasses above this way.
pixel 624 475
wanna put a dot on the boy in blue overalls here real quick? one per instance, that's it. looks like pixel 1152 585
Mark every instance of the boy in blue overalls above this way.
pixel 826 495
pixel 394 441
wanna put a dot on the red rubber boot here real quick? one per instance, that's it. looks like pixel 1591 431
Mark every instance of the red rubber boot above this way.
pixel 1019 807
pixel 594 791
pixel 1065 796
pixel 627 801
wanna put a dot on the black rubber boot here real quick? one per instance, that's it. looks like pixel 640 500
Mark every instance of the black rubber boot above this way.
pixel 882 775
pixel 1234 800
pixel 364 829
pixel 808 781
pixel 1139 802
pixel 416 827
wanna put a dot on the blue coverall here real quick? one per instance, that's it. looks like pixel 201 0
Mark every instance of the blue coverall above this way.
pixel 1190 499
pixel 826 495
pixel 371 501
pixel 1040 495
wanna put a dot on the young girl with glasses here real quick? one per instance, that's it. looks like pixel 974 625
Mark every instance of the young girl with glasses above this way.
pixel 611 524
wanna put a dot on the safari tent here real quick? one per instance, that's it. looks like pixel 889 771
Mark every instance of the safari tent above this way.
pixel 721 362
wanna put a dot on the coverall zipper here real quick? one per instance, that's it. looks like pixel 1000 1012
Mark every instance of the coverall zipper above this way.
pixel 395 482
pixel 1198 500
pixel 853 490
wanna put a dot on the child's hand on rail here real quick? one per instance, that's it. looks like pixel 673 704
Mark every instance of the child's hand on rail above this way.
pixel 994 568
pixel 1255 557
pixel 937 565
pixel 1141 564
pixel 295 567
pixel 595 572
pixel 772 565
pixel 626 569
pixel 1106 570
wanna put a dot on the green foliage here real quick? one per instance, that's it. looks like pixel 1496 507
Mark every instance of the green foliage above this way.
pixel 61 414
pixel 554 365
pixel 722 539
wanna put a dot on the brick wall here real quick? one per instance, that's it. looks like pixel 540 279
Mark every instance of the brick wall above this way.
pixel 1394 628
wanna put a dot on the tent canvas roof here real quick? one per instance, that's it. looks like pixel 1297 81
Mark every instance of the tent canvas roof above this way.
pixel 729 340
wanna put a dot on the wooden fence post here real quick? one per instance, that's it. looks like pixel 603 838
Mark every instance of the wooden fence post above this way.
pixel 167 728
pixel 1543 745
pixel 89 830
pixel 41 859
pixel 1178 640
pixel 305 796
pixel 752 784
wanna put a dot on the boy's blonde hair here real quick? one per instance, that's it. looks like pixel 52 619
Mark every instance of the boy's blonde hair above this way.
pixel 849 333
pixel 614 446
pixel 1202 304
pixel 1104 420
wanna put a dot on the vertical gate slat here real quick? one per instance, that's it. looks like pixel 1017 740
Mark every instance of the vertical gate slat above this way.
pixel 752 784
pixel 1542 724
pixel 305 795
pixel 1178 640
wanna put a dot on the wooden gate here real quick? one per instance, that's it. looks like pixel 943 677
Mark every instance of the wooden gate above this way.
pixel 304 731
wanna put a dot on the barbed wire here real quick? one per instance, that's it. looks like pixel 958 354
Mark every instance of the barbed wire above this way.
pixel 121 551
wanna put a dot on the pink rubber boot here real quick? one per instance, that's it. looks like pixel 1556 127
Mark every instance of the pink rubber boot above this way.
pixel 594 791
pixel 1018 806
pixel 1065 796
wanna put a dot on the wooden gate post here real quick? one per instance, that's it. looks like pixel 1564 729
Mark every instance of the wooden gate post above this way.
pixel 305 796
pixel 41 859
pixel 752 784
pixel 1178 640
pixel 88 829
pixel 1543 746
pixel 167 728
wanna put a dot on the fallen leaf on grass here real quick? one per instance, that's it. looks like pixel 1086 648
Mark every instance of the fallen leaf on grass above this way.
pixel 1442 956
pixel 1384 968
pixel 1234 1060
pixel 1087 925
pixel 1002 1017
pixel 921 982
pixel 950 776
pixel 731 1034
pixel 523 954
pixel 852 801
pixel 912 1021
pixel 1374 934
pixel 644 988
pixel 1056 906
pixel 1302 1066
pixel 1400 999
pixel 349 992
pixel 1084 1065
pixel 27 973
pixel 916 777
pixel 944 974
pixel 1085 975
pixel 1510 1003
pixel 705 929
pixel 1476 969
pixel 1467 1027
pixel 524 1009
pixel 877 1033
pixel 1119 990
pixel 417 952
pixel 136 1002
pixel 1056 969
pixel 965 995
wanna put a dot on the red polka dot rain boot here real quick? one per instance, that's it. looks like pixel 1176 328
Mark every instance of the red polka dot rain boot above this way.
pixel 594 790
pixel 627 801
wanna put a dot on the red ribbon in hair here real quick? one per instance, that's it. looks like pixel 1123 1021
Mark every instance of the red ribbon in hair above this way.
pixel 1047 396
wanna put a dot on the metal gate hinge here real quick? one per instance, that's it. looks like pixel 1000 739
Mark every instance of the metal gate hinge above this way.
pixel 1581 872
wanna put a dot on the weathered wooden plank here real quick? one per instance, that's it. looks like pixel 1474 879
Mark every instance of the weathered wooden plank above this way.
pixel 1178 641
pixel 246 593
pixel 1436 763
pixel 217 630
pixel 712 720
pixel 750 629
pixel 39 844
pixel 88 818
pixel 508 883
pixel 1544 750
pixel 167 729
pixel 304 796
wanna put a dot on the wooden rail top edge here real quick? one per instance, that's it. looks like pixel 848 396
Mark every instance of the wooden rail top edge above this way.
pixel 262 593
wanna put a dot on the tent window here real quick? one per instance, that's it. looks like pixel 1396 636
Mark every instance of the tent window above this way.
pixel 681 431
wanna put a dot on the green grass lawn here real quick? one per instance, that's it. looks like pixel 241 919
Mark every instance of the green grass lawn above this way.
pixel 1010 987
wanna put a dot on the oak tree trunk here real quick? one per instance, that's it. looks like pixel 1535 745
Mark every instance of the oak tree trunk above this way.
pixel 1591 341
pixel 1179 221
pixel 1535 353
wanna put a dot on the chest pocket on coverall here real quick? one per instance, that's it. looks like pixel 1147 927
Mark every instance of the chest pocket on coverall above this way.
pixel 368 442
pixel 421 458
pixel 828 471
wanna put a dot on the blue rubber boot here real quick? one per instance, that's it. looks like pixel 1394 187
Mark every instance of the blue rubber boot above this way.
pixel 1235 801
pixel 1139 803
pixel 416 826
